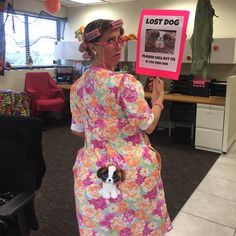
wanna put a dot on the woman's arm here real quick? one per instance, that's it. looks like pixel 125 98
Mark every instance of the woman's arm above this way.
pixel 157 100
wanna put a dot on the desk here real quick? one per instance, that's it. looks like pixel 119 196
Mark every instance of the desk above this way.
pixel 208 136
pixel 64 86
pixel 212 100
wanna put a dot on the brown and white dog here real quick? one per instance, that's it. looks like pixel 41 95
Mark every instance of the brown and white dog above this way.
pixel 110 175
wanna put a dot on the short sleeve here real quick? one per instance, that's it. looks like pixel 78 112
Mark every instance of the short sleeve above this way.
pixel 77 123
pixel 134 104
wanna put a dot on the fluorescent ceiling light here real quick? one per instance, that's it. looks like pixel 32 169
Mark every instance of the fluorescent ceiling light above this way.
pixel 87 1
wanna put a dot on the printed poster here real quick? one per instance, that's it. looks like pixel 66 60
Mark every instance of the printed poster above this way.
pixel 161 40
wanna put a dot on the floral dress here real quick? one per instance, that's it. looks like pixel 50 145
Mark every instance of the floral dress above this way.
pixel 112 111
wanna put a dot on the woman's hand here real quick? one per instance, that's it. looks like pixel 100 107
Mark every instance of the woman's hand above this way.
pixel 157 88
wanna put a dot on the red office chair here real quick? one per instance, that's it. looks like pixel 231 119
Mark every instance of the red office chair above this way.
pixel 45 94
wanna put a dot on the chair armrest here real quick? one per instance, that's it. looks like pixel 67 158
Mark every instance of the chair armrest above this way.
pixel 16 203
pixel 29 91
pixel 32 93
pixel 56 91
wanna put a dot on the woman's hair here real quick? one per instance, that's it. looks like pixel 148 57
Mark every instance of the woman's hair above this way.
pixel 101 25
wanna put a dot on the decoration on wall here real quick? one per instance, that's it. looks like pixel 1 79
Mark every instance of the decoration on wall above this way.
pixel 202 38
pixel 30 62
pixel 8 65
pixel 79 33
pixel 1 63
pixel 2 44
pixel 130 37
pixel 2 5
pixel 52 6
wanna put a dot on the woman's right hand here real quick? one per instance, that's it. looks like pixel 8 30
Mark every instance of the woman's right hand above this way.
pixel 157 88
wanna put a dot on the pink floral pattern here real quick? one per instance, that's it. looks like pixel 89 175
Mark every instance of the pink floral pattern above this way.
pixel 112 117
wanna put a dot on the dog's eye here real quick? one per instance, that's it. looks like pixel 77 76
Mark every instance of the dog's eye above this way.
pixel 116 178
pixel 104 176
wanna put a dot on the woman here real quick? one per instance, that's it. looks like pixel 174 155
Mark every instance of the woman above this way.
pixel 110 112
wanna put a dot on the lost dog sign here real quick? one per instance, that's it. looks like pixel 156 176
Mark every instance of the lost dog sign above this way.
pixel 161 40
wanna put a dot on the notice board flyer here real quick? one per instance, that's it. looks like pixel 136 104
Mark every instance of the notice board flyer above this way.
pixel 161 40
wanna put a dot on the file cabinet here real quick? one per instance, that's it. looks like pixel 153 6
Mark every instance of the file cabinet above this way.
pixel 209 127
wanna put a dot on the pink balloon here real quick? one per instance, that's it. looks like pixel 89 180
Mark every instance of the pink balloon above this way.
pixel 52 6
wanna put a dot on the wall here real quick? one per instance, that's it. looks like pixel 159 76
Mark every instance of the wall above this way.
pixel 35 6
pixel 130 12
pixel 78 16
pixel 230 114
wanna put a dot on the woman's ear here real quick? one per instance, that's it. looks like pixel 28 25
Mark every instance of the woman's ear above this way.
pixel 92 49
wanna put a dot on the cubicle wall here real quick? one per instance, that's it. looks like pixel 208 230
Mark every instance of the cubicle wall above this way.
pixel 230 114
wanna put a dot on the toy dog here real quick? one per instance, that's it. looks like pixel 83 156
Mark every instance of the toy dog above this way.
pixel 110 176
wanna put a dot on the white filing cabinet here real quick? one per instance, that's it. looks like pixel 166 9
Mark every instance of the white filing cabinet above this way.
pixel 209 127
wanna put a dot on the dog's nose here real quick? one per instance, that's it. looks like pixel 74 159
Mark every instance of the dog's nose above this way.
pixel 109 180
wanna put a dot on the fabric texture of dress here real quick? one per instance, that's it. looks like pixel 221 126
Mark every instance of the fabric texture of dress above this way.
pixel 113 117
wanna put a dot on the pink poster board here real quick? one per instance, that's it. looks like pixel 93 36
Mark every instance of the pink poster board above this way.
pixel 161 40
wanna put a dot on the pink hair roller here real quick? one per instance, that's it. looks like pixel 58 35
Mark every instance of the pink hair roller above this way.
pixel 116 23
pixel 92 35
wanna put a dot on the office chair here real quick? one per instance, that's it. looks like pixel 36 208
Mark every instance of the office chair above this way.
pixel 22 169
pixel 182 115
pixel 44 92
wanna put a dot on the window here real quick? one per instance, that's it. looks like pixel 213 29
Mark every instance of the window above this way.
pixel 30 36
pixel 15 43
pixel 43 35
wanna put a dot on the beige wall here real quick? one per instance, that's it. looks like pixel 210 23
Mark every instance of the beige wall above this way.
pixel 35 6
pixel 224 25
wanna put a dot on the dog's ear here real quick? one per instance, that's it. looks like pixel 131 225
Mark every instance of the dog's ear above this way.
pixel 166 37
pixel 101 171
pixel 121 174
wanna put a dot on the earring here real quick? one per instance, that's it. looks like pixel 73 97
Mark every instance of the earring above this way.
pixel 94 53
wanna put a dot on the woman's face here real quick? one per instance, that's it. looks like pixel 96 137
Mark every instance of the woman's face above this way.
pixel 108 49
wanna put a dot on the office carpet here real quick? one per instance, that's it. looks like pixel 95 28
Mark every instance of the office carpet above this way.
pixel 183 168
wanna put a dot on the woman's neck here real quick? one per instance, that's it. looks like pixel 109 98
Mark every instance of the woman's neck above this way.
pixel 102 65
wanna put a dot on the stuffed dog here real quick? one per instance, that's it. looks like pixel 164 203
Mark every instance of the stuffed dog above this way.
pixel 110 176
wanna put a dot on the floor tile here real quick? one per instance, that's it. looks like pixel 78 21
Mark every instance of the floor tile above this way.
pixel 212 208
pixel 227 159
pixel 188 225
pixel 218 187
pixel 223 169
pixel 232 149
pixel 231 158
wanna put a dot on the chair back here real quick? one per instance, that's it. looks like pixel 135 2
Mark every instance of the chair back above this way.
pixel 22 165
pixel 40 82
